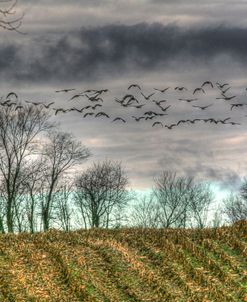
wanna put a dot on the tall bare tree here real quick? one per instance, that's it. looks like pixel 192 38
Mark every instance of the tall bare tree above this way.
pixel 99 191
pixel 235 208
pixel 145 213
pixel 2 210
pixel 173 195
pixel 32 187
pixel 62 152
pixel 63 205
pixel 200 199
pixel 18 129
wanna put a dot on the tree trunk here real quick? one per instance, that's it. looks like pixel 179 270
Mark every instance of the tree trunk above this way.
pixel 1 226
pixel 45 220
pixel 10 226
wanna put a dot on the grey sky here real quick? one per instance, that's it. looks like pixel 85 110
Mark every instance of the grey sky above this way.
pixel 111 44
pixel 93 53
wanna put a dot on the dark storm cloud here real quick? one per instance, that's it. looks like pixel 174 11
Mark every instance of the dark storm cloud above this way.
pixel 8 55
pixel 111 50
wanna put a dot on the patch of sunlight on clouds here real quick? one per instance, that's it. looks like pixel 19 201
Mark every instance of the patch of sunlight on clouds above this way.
pixel 235 140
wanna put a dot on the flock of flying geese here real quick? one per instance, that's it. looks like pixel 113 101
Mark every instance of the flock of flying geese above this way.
pixel 136 100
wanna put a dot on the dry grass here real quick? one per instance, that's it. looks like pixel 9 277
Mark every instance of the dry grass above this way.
pixel 125 265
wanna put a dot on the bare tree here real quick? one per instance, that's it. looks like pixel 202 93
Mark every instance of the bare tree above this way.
pixel 32 189
pixel 9 20
pixel 18 129
pixel 200 199
pixel 145 213
pixel 173 195
pixel 217 219
pixel 62 152
pixel 235 208
pixel 19 217
pixel 99 191
pixel 243 190
pixel 2 210
pixel 63 205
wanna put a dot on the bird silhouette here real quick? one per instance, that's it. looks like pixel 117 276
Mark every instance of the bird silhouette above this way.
pixel 96 105
pixel 211 120
pixel 150 113
pixel 221 85
pixel 47 106
pixel 134 86
pixel 233 123
pixel 129 96
pixel 194 120
pixel 199 89
pixel 65 90
pixel 102 114
pixel 208 83
pixel 94 98
pixel 237 105
pixel 101 91
pixel 202 107
pixel 12 94
pixel 119 119
pixel 147 97
pixel 89 91
pixel 138 118
pixel 180 88
pixel 157 123
pixel 60 110
pixel 188 100
pixel 76 109
pixel 162 90
pixel 159 102
pixel 226 98
pixel 164 109
pixel 138 106
pixel 224 120
pixel 86 107
pixel 119 101
pixel 181 122
pixel 170 126
pixel 224 91
pixel 88 114
pixel 130 101
pixel 76 96
pixel 150 117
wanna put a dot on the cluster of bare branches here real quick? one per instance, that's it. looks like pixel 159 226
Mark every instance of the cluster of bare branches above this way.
pixel 235 205
pixel 100 190
pixel 9 18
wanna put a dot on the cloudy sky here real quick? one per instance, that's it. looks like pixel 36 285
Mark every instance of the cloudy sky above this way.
pixel 107 44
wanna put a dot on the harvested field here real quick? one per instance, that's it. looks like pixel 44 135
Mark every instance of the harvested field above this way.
pixel 125 265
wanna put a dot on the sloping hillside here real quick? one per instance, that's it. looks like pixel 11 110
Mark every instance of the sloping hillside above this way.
pixel 125 265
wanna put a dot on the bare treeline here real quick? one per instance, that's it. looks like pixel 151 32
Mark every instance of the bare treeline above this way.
pixel 43 185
